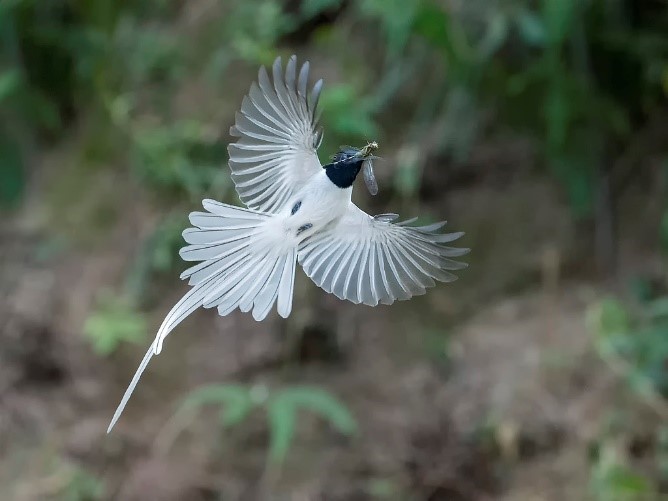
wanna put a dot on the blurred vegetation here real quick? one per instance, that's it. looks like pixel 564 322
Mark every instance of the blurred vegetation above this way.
pixel 281 407
pixel 636 340
pixel 634 343
pixel 145 90
pixel 579 75
pixel 113 322
pixel 582 78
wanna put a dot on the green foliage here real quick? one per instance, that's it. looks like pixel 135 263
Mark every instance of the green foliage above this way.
pixel 558 17
pixel 10 82
pixel 282 409
pixel 181 156
pixel 613 479
pixel 153 55
pixel 112 323
pixel 261 24
pixel 311 8
pixel 608 319
pixel 280 406
pixel 396 19
pixel 236 401
pixel 633 340
pixel 545 67
pixel 157 254
pixel 639 339
pixel 83 486
pixel 587 106
pixel 557 82
pixel 36 84
pixel 347 115
pixel 247 30
pixel 107 56
pixel 64 481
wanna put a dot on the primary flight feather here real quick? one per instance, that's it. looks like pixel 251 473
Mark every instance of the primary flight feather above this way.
pixel 297 211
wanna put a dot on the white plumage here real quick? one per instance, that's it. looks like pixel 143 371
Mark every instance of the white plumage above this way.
pixel 296 213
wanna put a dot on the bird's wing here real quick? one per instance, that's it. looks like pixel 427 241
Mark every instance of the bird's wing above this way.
pixel 371 260
pixel 278 137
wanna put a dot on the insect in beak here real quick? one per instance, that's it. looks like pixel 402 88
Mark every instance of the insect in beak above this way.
pixel 369 177
pixel 368 149
pixel 367 167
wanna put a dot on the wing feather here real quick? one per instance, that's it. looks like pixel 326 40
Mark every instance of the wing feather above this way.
pixel 373 260
pixel 275 153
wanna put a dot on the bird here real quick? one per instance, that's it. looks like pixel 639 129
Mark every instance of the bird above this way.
pixel 297 211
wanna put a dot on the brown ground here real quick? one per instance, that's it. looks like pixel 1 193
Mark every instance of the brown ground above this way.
pixel 467 393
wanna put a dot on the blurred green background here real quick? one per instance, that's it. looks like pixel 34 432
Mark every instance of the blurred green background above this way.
pixel 538 127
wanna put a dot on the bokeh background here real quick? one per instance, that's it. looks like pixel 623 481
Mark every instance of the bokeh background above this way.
pixel 538 127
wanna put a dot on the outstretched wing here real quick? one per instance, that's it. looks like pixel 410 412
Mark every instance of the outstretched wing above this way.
pixel 276 151
pixel 371 260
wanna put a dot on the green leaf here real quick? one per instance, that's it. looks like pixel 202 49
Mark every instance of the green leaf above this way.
pixel 113 322
pixel 322 403
pixel 282 411
pixel 236 412
pixel 235 399
pixel 282 417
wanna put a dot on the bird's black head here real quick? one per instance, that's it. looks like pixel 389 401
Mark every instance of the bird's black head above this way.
pixel 347 163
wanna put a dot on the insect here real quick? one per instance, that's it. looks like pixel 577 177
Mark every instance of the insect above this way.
pixel 297 211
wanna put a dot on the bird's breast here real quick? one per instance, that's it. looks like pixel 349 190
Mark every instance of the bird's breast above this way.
pixel 315 206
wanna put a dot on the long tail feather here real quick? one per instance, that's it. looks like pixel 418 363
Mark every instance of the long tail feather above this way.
pixel 131 388
pixel 242 267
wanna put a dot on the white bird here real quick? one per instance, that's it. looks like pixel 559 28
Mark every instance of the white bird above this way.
pixel 297 211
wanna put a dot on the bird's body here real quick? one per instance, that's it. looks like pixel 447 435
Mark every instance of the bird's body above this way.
pixel 297 211
pixel 318 204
